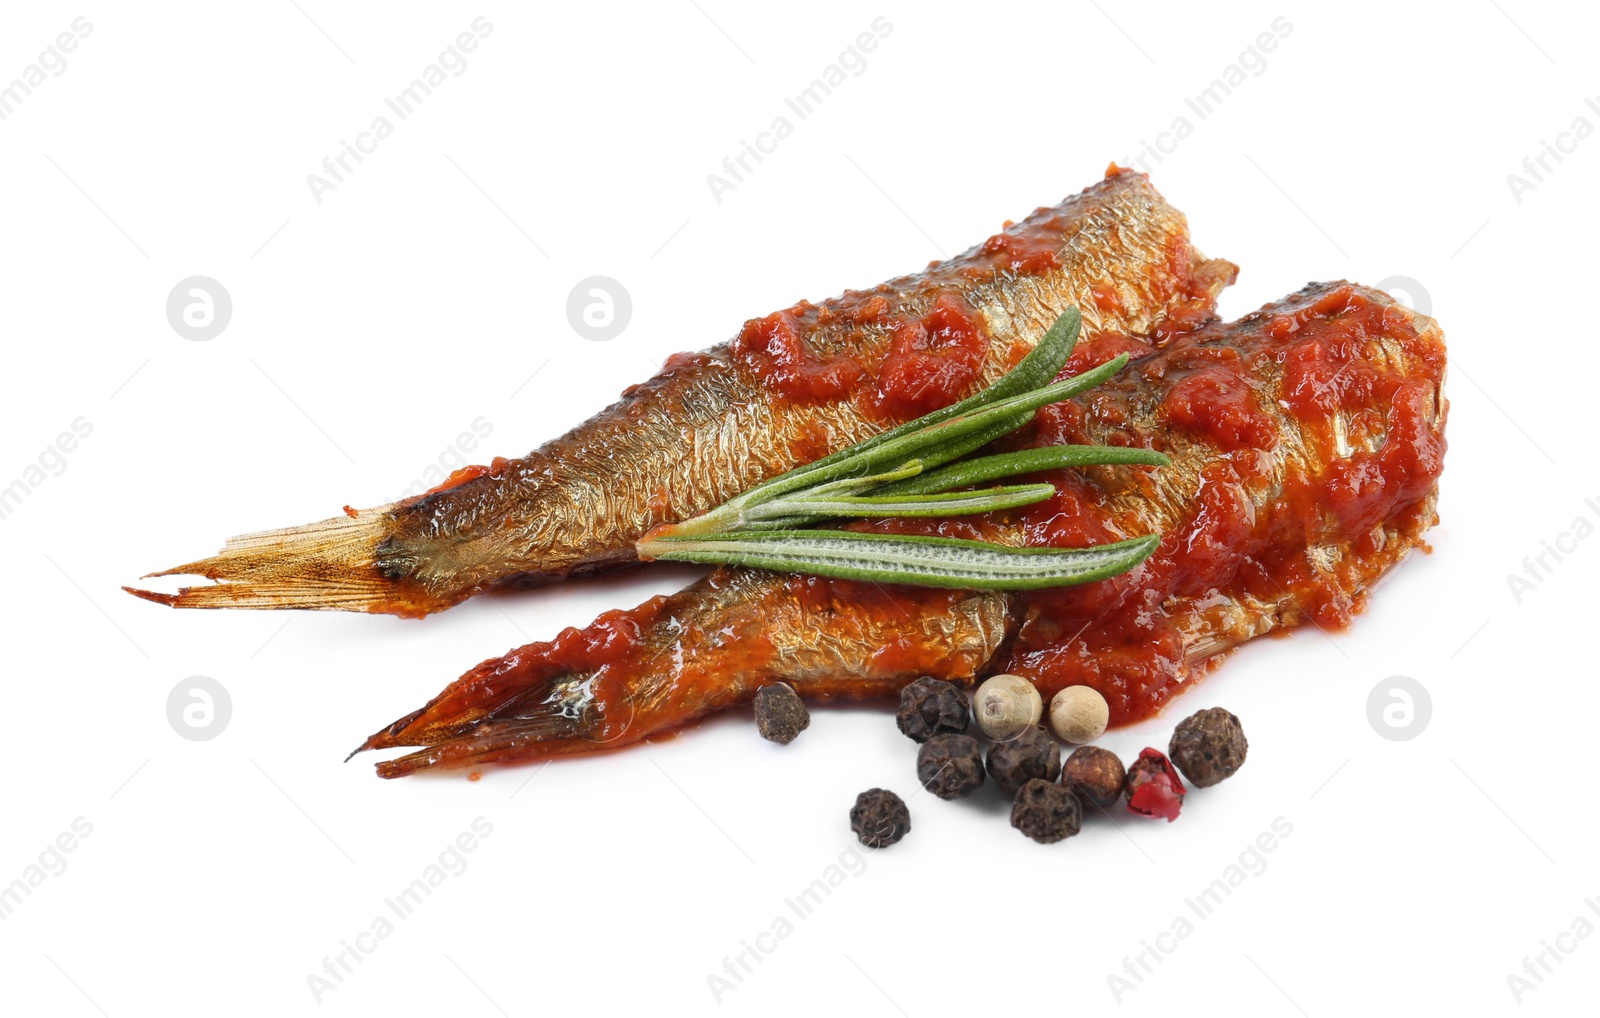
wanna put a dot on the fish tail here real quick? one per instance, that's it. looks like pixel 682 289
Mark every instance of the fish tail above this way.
pixel 333 564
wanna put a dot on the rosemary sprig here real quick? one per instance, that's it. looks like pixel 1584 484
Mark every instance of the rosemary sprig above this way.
pixel 916 470
pixel 923 561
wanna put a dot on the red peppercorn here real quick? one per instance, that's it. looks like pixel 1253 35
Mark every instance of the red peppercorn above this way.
pixel 1153 787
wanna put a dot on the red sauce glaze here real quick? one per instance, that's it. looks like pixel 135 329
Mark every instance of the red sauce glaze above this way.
pixel 457 478
pixel 609 643
pixel 602 687
pixel 462 476
pixel 1218 400
pixel 867 312
pixel 930 361
pixel 610 648
pixel 1237 539
pixel 680 361
pixel 1110 635
pixel 810 440
pixel 1287 368
pixel 610 639
pixel 1347 382
pixel 933 361
pixel 936 359
pixel 1345 378
pixel 775 350
pixel 1027 250
pixel 1106 298
pixel 1191 303
pixel 1095 350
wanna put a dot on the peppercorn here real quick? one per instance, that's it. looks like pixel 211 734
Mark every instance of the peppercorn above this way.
pixel 1208 746
pixel 1005 705
pixel 879 818
pixel 950 766
pixel 930 707
pixel 780 713
pixel 1046 811
pixel 1032 754
pixel 1079 714
pixel 1152 786
pixel 1095 775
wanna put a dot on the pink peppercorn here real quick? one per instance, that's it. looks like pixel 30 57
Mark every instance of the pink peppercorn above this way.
pixel 1153 787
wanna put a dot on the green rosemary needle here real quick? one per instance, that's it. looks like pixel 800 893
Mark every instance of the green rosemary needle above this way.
pixel 965 473
pixel 898 558
pixel 941 503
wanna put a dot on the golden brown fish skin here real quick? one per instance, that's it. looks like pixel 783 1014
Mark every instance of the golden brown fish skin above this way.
pixel 708 427
pixel 1299 547
pixel 678 658
pixel 581 501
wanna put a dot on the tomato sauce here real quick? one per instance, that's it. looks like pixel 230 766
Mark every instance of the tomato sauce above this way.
pixel 457 478
pixel 926 361
pixel 605 653
pixel 1312 422
pixel 896 366
pixel 775 350
pixel 1283 376
pixel 1344 381
pixel 1026 250
pixel 933 361
pixel 1341 375
pixel 1219 400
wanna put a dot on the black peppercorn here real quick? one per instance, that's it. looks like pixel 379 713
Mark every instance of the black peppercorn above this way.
pixel 780 713
pixel 1046 811
pixel 1033 754
pixel 930 707
pixel 1095 775
pixel 879 818
pixel 950 766
pixel 1208 746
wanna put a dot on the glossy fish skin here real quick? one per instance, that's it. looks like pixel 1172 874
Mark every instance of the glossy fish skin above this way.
pixel 709 425
pixel 1314 475
pixel 701 650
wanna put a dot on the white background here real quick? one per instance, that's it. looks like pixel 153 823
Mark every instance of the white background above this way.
pixel 370 329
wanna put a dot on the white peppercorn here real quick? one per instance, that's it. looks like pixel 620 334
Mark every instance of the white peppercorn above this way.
pixel 1006 705
pixel 1079 714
